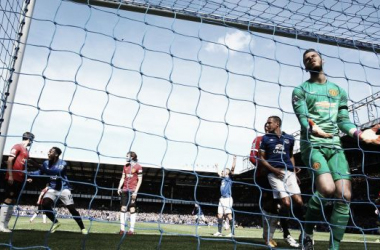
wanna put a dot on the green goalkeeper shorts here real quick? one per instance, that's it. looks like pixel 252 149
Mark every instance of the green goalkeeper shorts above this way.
pixel 323 160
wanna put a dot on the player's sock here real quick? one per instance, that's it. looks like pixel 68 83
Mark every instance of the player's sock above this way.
pixel 313 212
pixel 47 205
pixel 232 226
pixel 44 218
pixel 284 221
pixel 33 217
pixel 272 226
pixel 8 215
pixel 122 221
pixel 76 215
pixel 339 219
pixel 133 221
pixel 220 224
pixel 3 213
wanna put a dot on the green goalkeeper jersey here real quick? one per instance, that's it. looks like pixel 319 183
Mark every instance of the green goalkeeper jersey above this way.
pixel 326 105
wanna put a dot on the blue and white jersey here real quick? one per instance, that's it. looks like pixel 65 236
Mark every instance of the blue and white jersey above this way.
pixel 225 187
pixel 57 173
pixel 277 150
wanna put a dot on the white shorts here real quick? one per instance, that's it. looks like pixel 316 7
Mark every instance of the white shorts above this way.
pixel 285 187
pixel 225 205
pixel 64 195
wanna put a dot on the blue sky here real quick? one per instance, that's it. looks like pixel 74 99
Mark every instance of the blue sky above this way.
pixel 246 67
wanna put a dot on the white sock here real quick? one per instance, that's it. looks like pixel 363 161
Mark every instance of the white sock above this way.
pixel 3 212
pixel 33 217
pixel 133 221
pixel 272 224
pixel 44 218
pixel 5 215
pixel 122 221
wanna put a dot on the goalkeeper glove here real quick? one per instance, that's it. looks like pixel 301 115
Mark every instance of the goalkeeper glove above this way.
pixel 317 131
pixel 369 135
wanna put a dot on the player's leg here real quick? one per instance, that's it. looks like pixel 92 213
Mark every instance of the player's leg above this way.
pixel 228 211
pixel 133 215
pixel 341 210
pixel 123 212
pixel 33 217
pixel 324 183
pixel 68 200
pixel 47 205
pixel 220 218
pixel 11 194
pixel 44 218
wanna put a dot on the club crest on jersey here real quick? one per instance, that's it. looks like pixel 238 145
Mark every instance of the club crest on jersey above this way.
pixel 286 141
pixel 279 149
pixel 295 99
pixel 316 165
pixel 333 92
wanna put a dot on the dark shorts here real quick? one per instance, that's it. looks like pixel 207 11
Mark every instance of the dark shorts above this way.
pixel 126 199
pixel 13 191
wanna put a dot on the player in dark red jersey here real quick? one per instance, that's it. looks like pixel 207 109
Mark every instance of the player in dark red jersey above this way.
pixel 14 179
pixel 40 208
pixel 129 185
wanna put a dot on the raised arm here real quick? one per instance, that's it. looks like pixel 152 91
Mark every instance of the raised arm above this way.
pixel 233 164
pixel 218 170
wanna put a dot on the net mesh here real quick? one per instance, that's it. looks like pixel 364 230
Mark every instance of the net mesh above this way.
pixel 185 84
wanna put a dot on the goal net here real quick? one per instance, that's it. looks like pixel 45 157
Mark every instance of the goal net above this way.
pixel 185 84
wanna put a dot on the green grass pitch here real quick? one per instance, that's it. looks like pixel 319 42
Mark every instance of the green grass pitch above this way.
pixel 104 235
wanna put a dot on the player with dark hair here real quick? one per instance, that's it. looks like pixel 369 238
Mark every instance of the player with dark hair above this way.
pixel 14 179
pixel 39 206
pixel 59 188
pixel 270 206
pixel 321 108
pixel 276 155
pixel 226 201
pixel 129 186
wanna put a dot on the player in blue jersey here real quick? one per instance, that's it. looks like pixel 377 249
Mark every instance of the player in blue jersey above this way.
pixel 276 155
pixel 198 214
pixel 59 188
pixel 225 201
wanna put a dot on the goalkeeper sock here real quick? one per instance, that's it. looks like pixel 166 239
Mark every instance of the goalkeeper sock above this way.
pixel 133 221
pixel 220 224
pixel 43 218
pixel 313 212
pixel 122 221
pixel 339 219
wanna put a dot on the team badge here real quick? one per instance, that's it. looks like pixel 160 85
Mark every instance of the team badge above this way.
pixel 333 92
pixel 295 99
pixel 286 141
pixel 316 165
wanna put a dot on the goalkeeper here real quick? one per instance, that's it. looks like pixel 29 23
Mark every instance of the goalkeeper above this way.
pixel 321 108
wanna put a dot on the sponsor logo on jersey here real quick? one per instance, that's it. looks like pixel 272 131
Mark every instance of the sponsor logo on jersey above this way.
pixel 333 92
pixel 295 99
pixel 279 149
pixel 316 165
pixel 325 104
